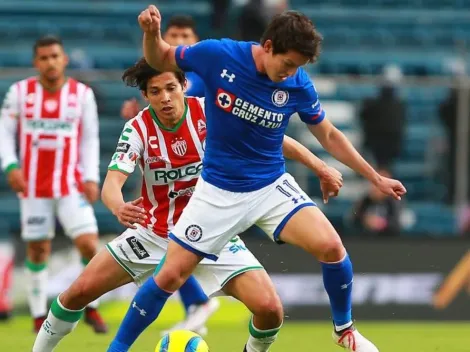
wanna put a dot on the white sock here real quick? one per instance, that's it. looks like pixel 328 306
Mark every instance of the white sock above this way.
pixel 342 327
pixel 261 340
pixel 36 288
pixel 59 323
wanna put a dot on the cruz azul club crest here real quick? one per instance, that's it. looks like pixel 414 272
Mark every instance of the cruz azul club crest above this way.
pixel 179 146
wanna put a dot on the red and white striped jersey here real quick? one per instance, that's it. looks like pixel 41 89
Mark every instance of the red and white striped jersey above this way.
pixel 57 136
pixel 170 160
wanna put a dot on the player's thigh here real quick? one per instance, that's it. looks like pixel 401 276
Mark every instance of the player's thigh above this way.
pixel 76 215
pixel 211 219
pixel 311 230
pixel 103 274
pixel 234 260
pixel 37 219
pixel 138 252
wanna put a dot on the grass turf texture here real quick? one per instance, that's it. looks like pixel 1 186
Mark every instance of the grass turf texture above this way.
pixel 228 331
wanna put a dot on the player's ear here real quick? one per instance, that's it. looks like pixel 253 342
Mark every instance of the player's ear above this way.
pixel 144 95
pixel 66 60
pixel 185 86
pixel 268 46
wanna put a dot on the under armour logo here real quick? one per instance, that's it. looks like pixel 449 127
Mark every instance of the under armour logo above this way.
pixel 224 74
pixel 345 286
pixel 141 311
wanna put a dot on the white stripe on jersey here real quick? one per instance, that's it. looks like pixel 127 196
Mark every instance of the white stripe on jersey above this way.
pixel 21 94
pixel 33 165
pixel 60 143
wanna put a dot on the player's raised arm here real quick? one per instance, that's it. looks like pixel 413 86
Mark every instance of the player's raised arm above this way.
pixel 129 150
pixel 9 116
pixel 199 57
pixel 90 147
pixel 331 179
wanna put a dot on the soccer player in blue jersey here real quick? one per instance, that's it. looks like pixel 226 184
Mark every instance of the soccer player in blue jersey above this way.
pixel 251 91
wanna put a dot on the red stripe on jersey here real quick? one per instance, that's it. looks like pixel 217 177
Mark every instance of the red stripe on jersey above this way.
pixel 152 142
pixel 29 101
pixel 77 173
pixel 146 202
pixel 136 125
pixel 27 161
pixel 185 191
pixel 50 109
pixel 66 156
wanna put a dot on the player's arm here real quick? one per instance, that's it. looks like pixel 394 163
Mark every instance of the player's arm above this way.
pixel 331 179
pixel 336 143
pixel 162 56
pixel 123 162
pixel 90 147
pixel 9 117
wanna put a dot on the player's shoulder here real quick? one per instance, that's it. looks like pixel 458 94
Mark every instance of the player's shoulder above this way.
pixel 24 82
pixel 197 105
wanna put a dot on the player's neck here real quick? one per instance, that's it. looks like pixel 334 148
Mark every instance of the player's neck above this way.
pixel 52 86
pixel 171 125
pixel 257 52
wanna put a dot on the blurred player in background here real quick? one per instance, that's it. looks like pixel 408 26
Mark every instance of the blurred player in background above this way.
pixel 166 140
pixel 180 30
pixel 57 171
pixel 251 92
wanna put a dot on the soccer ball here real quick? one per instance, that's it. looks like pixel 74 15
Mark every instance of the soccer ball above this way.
pixel 182 341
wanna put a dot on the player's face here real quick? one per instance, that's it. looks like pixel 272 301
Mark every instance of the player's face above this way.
pixel 180 36
pixel 280 66
pixel 165 95
pixel 50 61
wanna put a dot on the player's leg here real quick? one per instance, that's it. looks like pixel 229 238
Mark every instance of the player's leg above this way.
pixel 100 276
pixel 78 220
pixel 291 222
pixel 194 237
pixel 37 221
pixel 256 290
pixel 172 272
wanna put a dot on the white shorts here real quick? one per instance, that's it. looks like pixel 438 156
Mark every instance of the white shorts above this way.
pixel 213 216
pixel 38 216
pixel 140 251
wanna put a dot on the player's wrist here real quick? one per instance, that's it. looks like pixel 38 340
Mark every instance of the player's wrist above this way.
pixel 10 168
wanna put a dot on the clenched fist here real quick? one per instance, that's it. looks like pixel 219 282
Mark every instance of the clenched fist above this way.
pixel 150 20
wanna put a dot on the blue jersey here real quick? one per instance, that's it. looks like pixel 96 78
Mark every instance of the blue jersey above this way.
pixel 195 85
pixel 247 114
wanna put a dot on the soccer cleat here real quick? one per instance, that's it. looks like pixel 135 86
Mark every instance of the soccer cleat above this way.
pixel 244 349
pixel 352 340
pixel 94 319
pixel 38 323
pixel 197 318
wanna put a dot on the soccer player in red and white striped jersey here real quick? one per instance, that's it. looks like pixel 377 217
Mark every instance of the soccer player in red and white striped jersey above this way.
pixel 54 121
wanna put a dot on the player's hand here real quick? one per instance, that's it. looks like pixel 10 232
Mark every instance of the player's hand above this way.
pixel 391 187
pixel 131 213
pixel 91 191
pixel 16 180
pixel 130 108
pixel 150 20
pixel 331 181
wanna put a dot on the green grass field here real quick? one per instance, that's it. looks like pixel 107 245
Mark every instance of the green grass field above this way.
pixel 228 333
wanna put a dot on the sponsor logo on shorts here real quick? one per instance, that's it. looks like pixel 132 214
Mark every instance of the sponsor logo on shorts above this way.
pixel 124 252
pixel 193 233
pixel 137 248
pixel 123 147
pixel 236 248
pixel 36 220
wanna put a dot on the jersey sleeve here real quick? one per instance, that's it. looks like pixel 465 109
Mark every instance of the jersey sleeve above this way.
pixel 199 57
pixel 90 142
pixel 9 117
pixel 129 150
pixel 308 106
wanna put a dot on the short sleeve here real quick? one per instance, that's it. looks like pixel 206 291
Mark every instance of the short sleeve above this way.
pixel 309 107
pixel 199 57
pixel 128 151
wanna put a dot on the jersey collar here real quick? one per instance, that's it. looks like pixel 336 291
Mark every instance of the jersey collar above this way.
pixel 178 125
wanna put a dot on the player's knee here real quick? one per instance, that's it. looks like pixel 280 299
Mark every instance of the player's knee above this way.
pixel 170 279
pixel 87 246
pixel 332 250
pixel 270 307
pixel 38 252
pixel 79 294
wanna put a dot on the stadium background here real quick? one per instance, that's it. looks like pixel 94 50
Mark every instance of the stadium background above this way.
pixel 419 46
